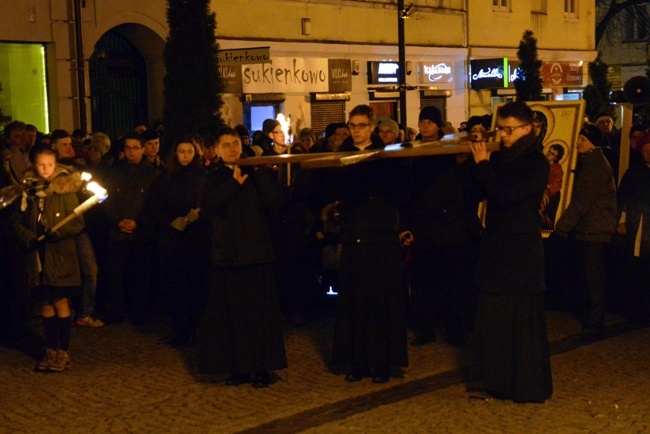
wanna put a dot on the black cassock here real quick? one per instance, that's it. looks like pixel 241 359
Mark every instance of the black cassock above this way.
pixel 370 327
pixel 243 327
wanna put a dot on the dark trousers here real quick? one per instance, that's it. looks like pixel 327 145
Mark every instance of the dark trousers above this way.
pixel 593 284
pixel 441 289
pixel 128 276
pixel 185 287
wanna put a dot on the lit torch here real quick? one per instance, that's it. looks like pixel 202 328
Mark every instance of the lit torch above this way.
pixel 285 124
pixel 99 195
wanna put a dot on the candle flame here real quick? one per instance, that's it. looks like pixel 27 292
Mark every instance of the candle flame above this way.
pixel 85 176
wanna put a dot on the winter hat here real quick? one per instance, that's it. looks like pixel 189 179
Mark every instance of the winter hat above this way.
pixel 98 146
pixel 433 114
pixel 391 124
pixel 150 135
pixel 269 125
pixel 593 134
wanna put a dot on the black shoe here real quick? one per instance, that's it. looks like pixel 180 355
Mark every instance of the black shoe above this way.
pixel 382 375
pixel 423 340
pixel 262 379
pixel 356 374
pixel 237 379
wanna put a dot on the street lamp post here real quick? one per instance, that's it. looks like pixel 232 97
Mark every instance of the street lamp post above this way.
pixel 401 16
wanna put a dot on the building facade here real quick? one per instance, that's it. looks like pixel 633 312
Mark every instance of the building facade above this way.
pixel 625 47
pixel 312 61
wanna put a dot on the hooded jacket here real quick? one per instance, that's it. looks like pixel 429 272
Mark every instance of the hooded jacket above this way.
pixel 57 255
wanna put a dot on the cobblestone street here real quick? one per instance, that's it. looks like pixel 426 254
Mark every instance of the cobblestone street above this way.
pixel 123 380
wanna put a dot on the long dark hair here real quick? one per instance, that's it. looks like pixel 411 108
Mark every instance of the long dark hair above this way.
pixel 172 164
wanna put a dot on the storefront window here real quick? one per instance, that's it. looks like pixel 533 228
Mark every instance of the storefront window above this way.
pixel 23 85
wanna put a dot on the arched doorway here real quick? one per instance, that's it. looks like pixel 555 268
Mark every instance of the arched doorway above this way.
pixel 118 85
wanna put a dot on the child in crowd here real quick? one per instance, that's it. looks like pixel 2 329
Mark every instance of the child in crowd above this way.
pixel 51 259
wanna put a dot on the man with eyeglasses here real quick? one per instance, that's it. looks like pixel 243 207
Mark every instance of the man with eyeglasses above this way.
pixel 388 131
pixel 132 235
pixel 272 140
pixel 370 326
pixel 511 326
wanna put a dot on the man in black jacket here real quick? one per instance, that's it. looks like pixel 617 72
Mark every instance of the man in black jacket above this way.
pixel 132 235
pixel 591 219
pixel 442 249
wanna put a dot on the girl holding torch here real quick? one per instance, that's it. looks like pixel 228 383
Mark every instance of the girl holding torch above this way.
pixel 51 259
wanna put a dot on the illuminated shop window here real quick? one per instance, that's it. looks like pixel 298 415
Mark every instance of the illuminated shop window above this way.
pixel 23 85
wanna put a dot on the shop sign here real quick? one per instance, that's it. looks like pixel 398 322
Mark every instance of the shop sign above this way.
pixel 513 72
pixel 436 72
pixel 558 74
pixel 383 73
pixel 244 56
pixel 286 74
pixel 615 76
pixel 340 75
pixel 231 78
pixel 488 73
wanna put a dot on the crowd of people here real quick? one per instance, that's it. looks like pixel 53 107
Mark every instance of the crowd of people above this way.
pixel 231 251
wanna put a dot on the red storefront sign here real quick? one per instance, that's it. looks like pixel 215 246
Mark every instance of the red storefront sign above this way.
pixel 558 74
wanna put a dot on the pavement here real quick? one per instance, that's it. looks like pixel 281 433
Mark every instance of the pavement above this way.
pixel 122 380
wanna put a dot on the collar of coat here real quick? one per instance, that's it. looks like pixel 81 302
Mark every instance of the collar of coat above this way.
pixel 523 146
pixel 65 179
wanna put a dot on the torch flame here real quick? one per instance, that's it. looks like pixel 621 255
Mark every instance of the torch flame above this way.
pixel 285 124
pixel 97 190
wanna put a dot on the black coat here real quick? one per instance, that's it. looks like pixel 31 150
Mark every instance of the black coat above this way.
pixel 129 189
pixel 373 196
pixel 173 195
pixel 591 214
pixel 370 329
pixel 436 212
pixel 241 215
pixel 511 259
pixel 243 328
pixel 634 197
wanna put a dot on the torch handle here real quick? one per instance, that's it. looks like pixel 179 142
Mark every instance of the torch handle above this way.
pixel 82 208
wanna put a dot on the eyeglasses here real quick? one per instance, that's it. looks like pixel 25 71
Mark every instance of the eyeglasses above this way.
pixel 357 126
pixel 509 130
pixel 386 132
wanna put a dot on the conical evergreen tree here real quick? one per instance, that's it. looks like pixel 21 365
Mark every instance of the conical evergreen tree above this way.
pixel 596 94
pixel 192 85
pixel 528 83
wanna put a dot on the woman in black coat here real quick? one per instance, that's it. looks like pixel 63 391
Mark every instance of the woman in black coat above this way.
pixel 514 355
pixel 183 240
pixel 243 329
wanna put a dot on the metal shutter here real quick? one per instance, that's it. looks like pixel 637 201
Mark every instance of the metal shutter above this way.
pixel 437 101
pixel 324 113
